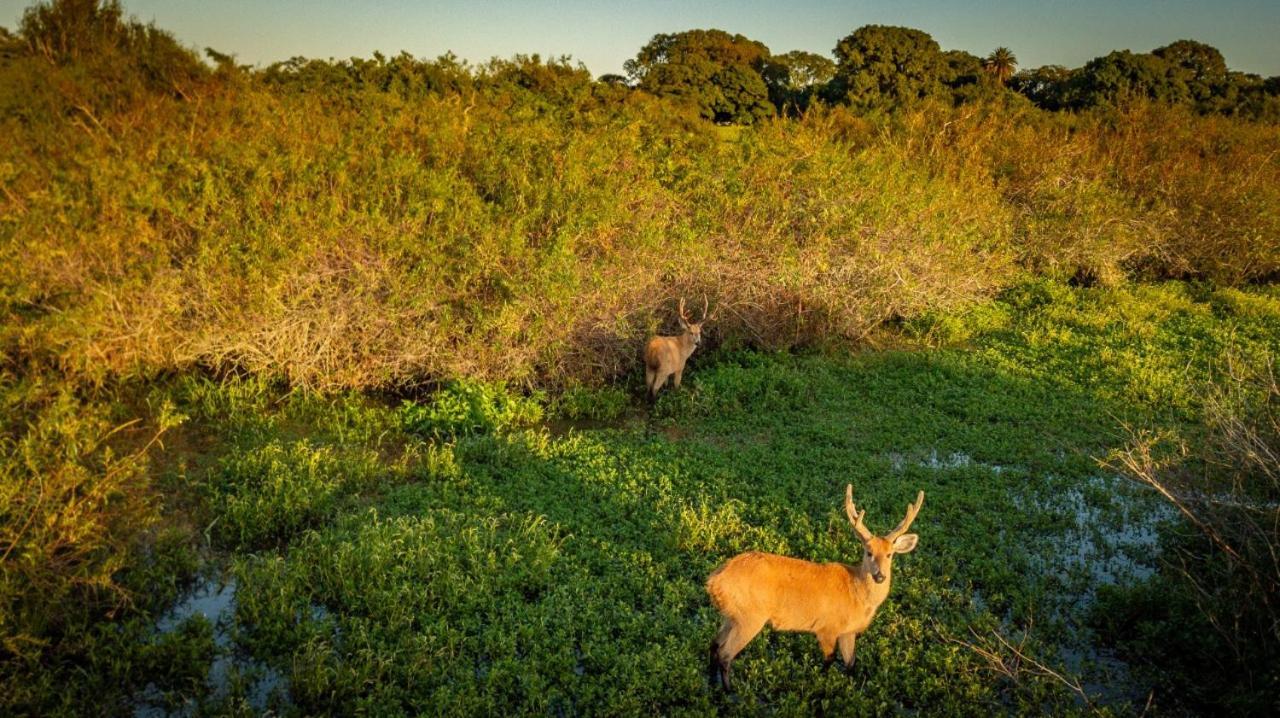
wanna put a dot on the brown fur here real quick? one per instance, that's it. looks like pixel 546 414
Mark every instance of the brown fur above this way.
pixel 665 357
pixel 833 601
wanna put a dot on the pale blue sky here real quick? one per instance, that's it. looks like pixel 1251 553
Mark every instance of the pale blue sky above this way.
pixel 604 34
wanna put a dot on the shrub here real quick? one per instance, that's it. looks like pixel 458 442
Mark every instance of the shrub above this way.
pixel 577 402
pixel 74 500
pixel 1218 610
pixel 469 407
pixel 266 496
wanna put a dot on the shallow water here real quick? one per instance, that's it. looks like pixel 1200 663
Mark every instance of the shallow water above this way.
pixel 1111 537
pixel 1115 538
pixel 932 460
pixel 214 599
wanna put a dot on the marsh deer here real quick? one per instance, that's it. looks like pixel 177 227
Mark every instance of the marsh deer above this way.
pixel 665 356
pixel 833 601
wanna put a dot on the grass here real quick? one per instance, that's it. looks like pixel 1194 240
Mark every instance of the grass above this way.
pixel 455 555
pixel 398 223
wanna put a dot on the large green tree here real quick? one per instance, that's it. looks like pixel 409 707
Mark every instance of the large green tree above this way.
pixel 964 76
pixel 881 65
pixel 1199 71
pixel 1124 74
pixel 719 74
pixel 1184 72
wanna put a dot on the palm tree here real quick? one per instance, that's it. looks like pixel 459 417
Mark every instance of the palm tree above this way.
pixel 1001 63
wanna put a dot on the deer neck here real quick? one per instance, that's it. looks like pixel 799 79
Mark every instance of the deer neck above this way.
pixel 873 593
pixel 686 345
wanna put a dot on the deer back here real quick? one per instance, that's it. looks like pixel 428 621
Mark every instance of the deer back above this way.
pixel 664 352
pixel 792 594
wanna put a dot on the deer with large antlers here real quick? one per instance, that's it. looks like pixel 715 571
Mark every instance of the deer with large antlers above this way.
pixel 665 356
pixel 833 601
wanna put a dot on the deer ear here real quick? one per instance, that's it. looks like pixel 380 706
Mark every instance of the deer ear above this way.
pixel 683 324
pixel 905 543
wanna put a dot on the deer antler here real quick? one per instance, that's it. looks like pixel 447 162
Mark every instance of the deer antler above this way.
pixel 683 315
pixel 912 510
pixel 704 309
pixel 855 516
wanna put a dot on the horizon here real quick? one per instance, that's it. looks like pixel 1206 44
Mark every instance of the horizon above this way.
pixel 603 37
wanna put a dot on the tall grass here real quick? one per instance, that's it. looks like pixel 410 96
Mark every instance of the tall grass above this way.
pixel 317 224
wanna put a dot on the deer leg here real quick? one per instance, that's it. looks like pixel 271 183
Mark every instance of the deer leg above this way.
pixel 827 643
pixel 678 375
pixel 716 667
pixel 649 384
pixel 660 381
pixel 848 642
pixel 733 637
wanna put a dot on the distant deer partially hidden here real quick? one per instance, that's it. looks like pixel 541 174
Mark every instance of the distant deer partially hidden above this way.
pixel 833 601
pixel 665 356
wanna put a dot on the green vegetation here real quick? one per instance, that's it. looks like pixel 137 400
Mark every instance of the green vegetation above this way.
pixel 452 554
pixel 879 66
pixel 731 78
pixel 719 74
pixel 349 349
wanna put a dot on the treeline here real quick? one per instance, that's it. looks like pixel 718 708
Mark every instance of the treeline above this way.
pixel 390 221
pixel 735 79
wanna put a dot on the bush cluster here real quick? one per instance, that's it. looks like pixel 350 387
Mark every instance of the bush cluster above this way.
pixel 394 222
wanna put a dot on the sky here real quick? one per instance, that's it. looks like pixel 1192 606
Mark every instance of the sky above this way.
pixel 603 35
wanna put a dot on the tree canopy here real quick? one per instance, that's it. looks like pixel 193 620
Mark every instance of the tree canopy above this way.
pixel 794 78
pixel 1185 72
pixel 882 64
pixel 718 74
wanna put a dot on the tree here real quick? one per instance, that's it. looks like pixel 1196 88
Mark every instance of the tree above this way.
pixel 1185 72
pixel 1001 63
pixel 740 98
pixel 1119 74
pixel 799 69
pixel 1198 60
pixel 1255 97
pixel 717 73
pixel 1201 70
pixel 963 74
pixel 795 77
pixel 1049 87
pixel 878 65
